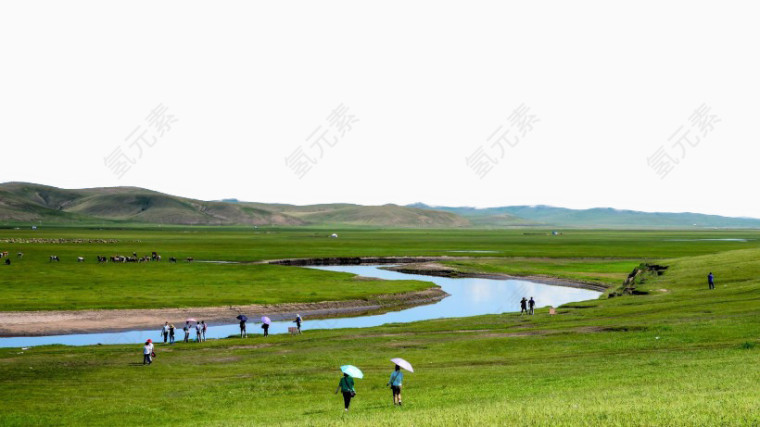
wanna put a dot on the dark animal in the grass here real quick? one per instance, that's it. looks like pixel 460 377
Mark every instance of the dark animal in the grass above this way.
pixel 172 259
pixel 189 259
pixel 80 259
pixel 54 258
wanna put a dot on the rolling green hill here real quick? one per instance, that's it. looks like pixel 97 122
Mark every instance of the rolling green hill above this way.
pixel 25 202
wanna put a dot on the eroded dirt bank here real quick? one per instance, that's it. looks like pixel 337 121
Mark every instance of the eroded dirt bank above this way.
pixel 37 323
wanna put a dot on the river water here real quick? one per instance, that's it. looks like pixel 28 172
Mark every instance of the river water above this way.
pixel 469 297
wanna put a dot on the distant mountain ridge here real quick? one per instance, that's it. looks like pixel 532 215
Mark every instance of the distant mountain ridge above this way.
pixel 26 203
pixel 594 217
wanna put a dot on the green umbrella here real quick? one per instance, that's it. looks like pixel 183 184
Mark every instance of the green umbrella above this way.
pixel 352 371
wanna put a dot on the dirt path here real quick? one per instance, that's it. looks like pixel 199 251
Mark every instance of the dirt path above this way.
pixel 37 323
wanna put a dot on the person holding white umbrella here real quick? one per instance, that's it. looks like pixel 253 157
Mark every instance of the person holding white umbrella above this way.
pixel 397 378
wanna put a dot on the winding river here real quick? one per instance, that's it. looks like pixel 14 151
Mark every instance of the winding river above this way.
pixel 468 297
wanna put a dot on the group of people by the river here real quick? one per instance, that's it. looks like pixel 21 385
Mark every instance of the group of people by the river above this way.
pixel 168 331
pixel 527 306
pixel 265 325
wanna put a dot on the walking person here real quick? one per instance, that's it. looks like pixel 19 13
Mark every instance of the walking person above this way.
pixel 346 386
pixel 186 329
pixel 204 327
pixel 148 352
pixel 298 322
pixel 523 306
pixel 710 281
pixel 165 331
pixel 531 304
pixel 395 382
pixel 171 333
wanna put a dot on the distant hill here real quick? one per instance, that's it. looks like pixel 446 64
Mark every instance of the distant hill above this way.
pixel 596 217
pixel 384 216
pixel 20 202
pixel 25 202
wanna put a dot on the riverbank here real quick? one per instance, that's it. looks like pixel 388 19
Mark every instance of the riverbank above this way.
pixel 60 322
pixel 652 359
pixel 55 322
pixel 434 268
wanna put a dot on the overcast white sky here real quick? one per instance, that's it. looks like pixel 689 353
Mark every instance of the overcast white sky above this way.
pixel 605 83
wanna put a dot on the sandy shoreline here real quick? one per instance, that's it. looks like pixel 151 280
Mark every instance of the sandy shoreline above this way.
pixel 58 322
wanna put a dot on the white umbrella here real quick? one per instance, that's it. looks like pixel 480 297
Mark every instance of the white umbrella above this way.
pixel 403 363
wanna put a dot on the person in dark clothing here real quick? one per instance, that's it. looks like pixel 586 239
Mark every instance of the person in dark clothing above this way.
pixel 171 333
pixel 265 327
pixel 298 322
pixel 346 386
pixel 710 281
pixel 242 329
pixel 523 306
pixel 165 331
pixel 531 304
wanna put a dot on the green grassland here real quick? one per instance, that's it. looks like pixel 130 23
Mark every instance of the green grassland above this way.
pixel 604 271
pixel 677 355
pixel 33 282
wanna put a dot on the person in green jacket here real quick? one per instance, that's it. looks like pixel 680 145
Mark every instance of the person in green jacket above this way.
pixel 346 385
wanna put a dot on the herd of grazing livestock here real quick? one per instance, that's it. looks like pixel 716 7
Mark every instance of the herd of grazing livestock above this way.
pixel 154 256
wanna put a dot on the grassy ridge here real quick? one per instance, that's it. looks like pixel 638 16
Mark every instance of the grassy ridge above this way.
pixel 679 355
pixel 24 203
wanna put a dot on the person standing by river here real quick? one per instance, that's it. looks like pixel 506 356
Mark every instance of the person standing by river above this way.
pixel 171 333
pixel 265 327
pixel 165 331
pixel 242 328
pixel 197 332
pixel 298 322
pixel 523 306
pixel 203 330
pixel 531 304
pixel 186 329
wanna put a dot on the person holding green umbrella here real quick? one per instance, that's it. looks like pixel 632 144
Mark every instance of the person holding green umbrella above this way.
pixel 346 383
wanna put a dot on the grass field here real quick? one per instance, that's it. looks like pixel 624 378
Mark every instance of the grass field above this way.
pixel 678 355
pixel 33 282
